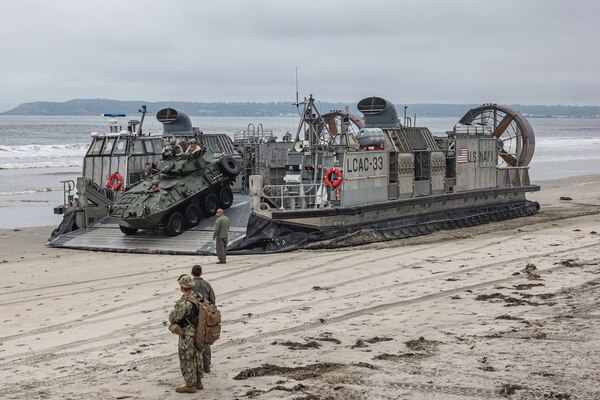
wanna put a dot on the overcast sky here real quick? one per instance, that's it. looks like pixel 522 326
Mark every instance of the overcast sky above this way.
pixel 423 51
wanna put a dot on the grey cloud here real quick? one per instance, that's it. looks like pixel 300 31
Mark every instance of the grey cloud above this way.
pixel 531 52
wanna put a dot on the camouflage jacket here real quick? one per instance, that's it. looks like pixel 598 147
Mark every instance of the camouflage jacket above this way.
pixel 183 308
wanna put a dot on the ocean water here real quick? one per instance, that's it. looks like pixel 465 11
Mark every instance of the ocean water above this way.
pixel 37 152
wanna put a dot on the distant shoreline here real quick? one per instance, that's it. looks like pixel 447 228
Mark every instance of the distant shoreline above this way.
pixel 93 107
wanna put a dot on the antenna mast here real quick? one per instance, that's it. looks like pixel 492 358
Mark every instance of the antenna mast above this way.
pixel 296 85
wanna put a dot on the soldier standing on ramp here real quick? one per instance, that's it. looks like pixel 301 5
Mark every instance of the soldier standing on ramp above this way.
pixel 221 235
pixel 190 358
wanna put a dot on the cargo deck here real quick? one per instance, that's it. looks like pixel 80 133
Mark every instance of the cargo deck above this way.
pixel 106 236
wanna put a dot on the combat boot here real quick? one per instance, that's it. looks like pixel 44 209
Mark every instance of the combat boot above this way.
pixel 199 384
pixel 186 389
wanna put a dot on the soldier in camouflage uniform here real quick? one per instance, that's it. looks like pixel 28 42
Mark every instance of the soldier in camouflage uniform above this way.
pixel 190 357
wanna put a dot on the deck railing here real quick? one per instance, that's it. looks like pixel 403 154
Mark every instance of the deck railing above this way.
pixel 293 196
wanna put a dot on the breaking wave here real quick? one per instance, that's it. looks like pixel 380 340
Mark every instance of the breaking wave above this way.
pixel 42 156
pixel 17 192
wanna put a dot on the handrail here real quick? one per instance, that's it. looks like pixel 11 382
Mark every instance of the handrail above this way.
pixel 253 135
pixel 472 129
pixel 68 187
pixel 284 196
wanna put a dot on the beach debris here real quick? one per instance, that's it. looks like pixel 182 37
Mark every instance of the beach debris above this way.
pixel 529 270
pixel 545 296
pixel 378 339
pixel 511 301
pixel 540 335
pixel 527 286
pixel 298 373
pixel 593 232
pixel 395 357
pixel 326 339
pixel 419 348
pixel 509 317
pixel 486 367
pixel 364 365
pixel 509 389
pixel 565 198
pixel 359 344
pixel 252 393
pixel 422 344
pixel 298 346
pixel 570 263
pixel 534 277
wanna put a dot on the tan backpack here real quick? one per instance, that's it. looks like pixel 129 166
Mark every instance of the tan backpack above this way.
pixel 208 328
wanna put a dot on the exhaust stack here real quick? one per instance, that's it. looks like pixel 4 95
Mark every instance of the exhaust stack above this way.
pixel 378 112
pixel 175 123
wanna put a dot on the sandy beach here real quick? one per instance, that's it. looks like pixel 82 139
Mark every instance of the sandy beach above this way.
pixel 503 310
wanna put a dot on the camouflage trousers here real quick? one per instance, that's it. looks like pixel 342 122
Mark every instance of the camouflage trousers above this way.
pixel 190 360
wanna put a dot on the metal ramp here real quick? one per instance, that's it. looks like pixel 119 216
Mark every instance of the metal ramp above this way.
pixel 106 235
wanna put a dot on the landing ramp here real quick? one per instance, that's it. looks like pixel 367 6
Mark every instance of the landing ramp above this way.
pixel 105 235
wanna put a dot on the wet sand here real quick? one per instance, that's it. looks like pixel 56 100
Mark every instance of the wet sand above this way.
pixel 508 309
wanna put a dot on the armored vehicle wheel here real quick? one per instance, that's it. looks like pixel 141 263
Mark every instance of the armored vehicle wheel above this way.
pixel 192 215
pixel 225 197
pixel 128 231
pixel 209 204
pixel 174 225
pixel 229 166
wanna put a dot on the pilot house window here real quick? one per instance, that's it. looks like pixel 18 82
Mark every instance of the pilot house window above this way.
pixel 422 165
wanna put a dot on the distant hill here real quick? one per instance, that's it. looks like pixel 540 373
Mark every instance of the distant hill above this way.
pixel 100 106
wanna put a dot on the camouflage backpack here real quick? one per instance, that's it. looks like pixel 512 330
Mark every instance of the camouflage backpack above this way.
pixel 207 318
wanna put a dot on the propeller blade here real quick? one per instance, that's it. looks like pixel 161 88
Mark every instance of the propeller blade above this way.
pixel 332 126
pixel 502 126
pixel 508 159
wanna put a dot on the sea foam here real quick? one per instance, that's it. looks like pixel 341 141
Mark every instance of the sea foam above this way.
pixel 42 156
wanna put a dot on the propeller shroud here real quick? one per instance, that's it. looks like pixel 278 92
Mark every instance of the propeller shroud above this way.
pixel 516 140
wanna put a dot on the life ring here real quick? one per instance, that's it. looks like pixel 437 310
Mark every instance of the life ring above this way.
pixel 111 181
pixel 329 174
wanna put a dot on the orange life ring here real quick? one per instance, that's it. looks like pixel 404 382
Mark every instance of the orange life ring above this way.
pixel 329 174
pixel 111 179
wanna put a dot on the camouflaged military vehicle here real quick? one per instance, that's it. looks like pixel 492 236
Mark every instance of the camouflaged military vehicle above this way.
pixel 186 186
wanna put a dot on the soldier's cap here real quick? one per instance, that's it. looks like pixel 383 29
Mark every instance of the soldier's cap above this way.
pixel 173 141
pixel 186 282
pixel 193 141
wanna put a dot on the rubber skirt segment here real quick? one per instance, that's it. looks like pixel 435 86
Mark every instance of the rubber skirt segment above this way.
pixel 264 235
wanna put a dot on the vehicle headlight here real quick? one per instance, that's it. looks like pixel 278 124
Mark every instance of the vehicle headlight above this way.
pixel 145 211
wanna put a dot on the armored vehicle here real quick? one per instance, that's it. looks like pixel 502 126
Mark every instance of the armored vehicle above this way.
pixel 121 158
pixel 186 186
